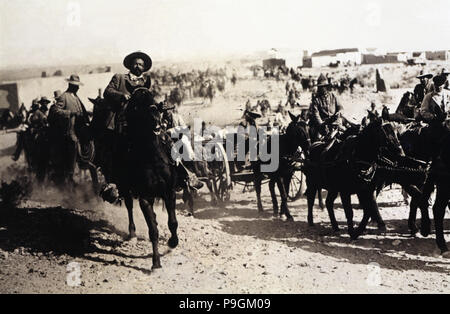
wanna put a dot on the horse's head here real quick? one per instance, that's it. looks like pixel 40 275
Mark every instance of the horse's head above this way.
pixel 143 112
pixel 298 131
pixel 390 140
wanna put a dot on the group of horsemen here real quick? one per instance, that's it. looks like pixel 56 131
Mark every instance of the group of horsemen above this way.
pixel 67 121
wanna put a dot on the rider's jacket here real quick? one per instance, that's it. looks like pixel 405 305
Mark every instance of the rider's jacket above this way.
pixel 119 86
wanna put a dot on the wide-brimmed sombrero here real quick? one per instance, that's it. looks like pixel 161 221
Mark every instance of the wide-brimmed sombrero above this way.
pixel 44 100
pixel 74 80
pixel 138 55
pixel 252 114
pixel 428 76
pixel 165 106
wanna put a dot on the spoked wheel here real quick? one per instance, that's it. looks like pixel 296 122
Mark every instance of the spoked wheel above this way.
pixel 296 186
pixel 221 171
pixel 297 183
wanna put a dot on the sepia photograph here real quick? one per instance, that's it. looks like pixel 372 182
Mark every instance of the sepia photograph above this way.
pixel 224 152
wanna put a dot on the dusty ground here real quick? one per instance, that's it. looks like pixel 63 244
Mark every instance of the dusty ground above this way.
pixel 225 249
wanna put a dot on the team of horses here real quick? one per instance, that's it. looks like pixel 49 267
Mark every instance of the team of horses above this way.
pixel 360 161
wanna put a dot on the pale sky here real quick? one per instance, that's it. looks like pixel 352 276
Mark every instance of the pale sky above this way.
pixel 46 32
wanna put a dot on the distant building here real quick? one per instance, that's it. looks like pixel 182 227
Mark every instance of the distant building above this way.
pixel 326 58
pixel 401 56
pixel 442 55
pixel 375 59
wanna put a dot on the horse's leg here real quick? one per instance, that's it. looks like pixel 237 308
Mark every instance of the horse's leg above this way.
pixel 438 213
pixel 375 212
pixel 331 197
pixel 150 218
pixel 94 177
pixel 347 204
pixel 425 222
pixel 311 196
pixel 274 196
pixel 319 196
pixel 212 191
pixel 284 197
pixel 366 202
pixel 129 204
pixel 415 199
pixel 257 182
pixel 170 202
pixel 188 200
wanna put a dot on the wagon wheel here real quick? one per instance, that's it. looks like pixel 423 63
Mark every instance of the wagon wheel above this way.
pixel 222 177
pixel 296 184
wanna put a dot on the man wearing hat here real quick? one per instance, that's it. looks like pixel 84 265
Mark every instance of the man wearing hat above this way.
pixel 119 90
pixel 324 104
pixel 424 87
pixel 436 105
pixel 68 119
pixel 116 95
pixel 44 105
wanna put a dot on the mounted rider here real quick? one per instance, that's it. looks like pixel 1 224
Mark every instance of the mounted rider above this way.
pixel 117 94
pixel 69 123
pixel 424 87
pixel 324 105
pixel 436 105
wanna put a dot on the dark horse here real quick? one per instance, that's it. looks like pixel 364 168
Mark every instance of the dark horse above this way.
pixel 296 136
pixel 150 172
pixel 438 140
pixel 441 178
pixel 349 169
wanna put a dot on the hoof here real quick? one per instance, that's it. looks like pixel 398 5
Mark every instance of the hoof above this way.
pixel 354 235
pixel 311 224
pixel 382 228
pixel 290 218
pixel 173 242
pixel 131 237
pixel 156 266
pixel 425 230
pixel 132 240
pixel 336 229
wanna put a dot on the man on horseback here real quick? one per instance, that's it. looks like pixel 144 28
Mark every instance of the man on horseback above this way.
pixel 44 101
pixel 424 87
pixel 436 105
pixel 68 120
pixel 324 105
pixel 117 94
